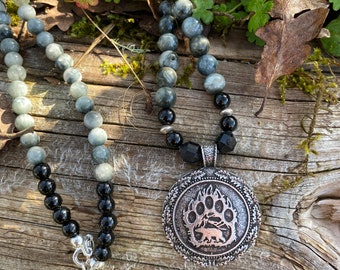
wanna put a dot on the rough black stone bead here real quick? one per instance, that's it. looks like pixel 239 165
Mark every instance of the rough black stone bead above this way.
pixel 226 142
pixel 190 152
pixel 53 201
pixel 106 205
pixel 222 100
pixel 105 238
pixel 174 139
pixel 42 171
pixel 70 228
pixel 61 215
pixel 166 116
pixel 228 123
pixel 104 189
pixel 108 222
pixel 102 253
pixel 47 186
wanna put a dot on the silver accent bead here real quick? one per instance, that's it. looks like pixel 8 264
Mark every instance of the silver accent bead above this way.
pixel 77 241
pixel 96 265
pixel 226 112
pixel 166 129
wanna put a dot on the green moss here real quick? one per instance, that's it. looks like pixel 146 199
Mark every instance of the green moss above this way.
pixel 12 11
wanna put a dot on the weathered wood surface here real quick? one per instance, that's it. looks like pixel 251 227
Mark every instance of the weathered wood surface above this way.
pixel 300 227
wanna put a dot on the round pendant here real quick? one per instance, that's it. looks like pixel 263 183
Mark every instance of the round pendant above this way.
pixel 210 216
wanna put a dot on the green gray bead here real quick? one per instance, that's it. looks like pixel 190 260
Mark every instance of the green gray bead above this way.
pixel 21 105
pixel 100 154
pixel 35 26
pixel 214 83
pixel 207 64
pixel 36 155
pixel 30 139
pixel 182 9
pixel 26 12
pixel 103 172
pixel 192 27
pixel 167 42
pixel 44 39
pixel 5 18
pixel 72 75
pixel 165 97
pixel 24 121
pixel 9 45
pixel 21 2
pixel 13 58
pixel 166 76
pixel 78 89
pixel 199 45
pixel 93 119
pixel 16 73
pixel 97 136
pixel 169 59
pixel 17 89
pixel 53 51
pixel 64 61
pixel 84 104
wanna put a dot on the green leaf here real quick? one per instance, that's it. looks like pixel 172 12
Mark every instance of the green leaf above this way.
pixel 332 44
pixel 203 11
pixel 336 4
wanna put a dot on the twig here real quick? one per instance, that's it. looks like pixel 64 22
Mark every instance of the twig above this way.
pixel 11 136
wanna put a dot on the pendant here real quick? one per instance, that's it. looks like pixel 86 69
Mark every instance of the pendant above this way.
pixel 209 215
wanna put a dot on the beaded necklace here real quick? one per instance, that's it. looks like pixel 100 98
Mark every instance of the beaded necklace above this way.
pixel 36 155
pixel 209 215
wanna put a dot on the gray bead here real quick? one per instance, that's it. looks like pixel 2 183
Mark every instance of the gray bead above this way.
pixel 84 104
pixel 36 155
pixel 13 58
pixel 167 42
pixel 9 45
pixel 165 97
pixel 5 18
pixel 167 24
pixel 21 105
pixel 169 59
pixel 100 154
pixel 166 76
pixel 16 72
pixel 182 9
pixel 53 51
pixel 21 2
pixel 26 12
pixel 78 89
pixel 30 139
pixel 103 172
pixel 214 83
pixel 44 39
pixel 72 75
pixel 35 26
pixel 97 136
pixel 93 119
pixel 199 45
pixel 3 6
pixel 24 121
pixel 5 31
pixel 17 89
pixel 64 61
pixel 164 8
pixel 207 64
pixel 192 27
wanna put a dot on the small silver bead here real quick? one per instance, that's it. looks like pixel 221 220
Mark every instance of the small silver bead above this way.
pixel 77 241
pixel 96 265
pixel 166 129
pixel 226 112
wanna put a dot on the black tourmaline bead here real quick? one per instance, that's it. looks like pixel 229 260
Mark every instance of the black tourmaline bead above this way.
pixel 53 201
pixel 47 187
pixel 106 205
pixel 222 100
pixel 70 228
pixel 104 189
pixel 105 238
pixel 228 123
pixel 226 142
pixel 61 215
pixel 102 253
pixel 190 152
pixel 166 116
pixel 107 222
pixel 174 139
pixel 42 171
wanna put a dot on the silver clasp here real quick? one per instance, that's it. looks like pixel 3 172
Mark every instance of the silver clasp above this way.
pixel 209 155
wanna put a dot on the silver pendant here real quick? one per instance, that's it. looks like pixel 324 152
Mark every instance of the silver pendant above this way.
pixel 209 215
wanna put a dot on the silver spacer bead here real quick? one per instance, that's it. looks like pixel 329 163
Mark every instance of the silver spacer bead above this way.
pixel 96 265
pixel 166 129
pixel 77 241
pixel 226 112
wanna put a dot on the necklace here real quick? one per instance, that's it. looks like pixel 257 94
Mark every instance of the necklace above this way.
pixel 209 215
pixel 36 155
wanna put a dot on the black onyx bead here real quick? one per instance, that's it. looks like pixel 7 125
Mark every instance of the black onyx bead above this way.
pixel 42 171
pixel 107 222
pixel 226 142
pixel 70 228
pixel 228 123
pixel 104 189
pixel 105 238
pixel 61 215
pixel 102 253
pixel 53 201
pixel 190 152
pixel 47 186
pixel 106 205
pixel 222 100
pixel 174 139
pixel 166 116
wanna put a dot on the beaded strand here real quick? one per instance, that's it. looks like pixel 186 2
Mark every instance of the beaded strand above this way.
pixel 36 155
pixel 172 14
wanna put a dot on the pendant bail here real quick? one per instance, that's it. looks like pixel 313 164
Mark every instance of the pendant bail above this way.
pixel 209 155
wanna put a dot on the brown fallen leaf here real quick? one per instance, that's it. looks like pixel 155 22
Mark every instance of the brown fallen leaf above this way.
pixel 286 45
